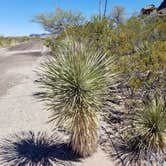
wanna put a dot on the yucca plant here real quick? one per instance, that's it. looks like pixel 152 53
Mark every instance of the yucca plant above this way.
pixel 151 125
pixel 145 140
pixel 75 82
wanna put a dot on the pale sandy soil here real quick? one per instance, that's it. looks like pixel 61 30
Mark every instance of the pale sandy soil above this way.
pixel 19 110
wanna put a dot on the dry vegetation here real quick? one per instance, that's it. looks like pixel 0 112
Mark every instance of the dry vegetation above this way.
pixel 133 125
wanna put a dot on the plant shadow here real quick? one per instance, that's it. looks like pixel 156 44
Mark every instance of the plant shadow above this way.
pixel 30 149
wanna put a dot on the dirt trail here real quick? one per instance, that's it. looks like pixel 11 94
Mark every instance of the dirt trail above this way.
pixel 19 110
pixel 11 68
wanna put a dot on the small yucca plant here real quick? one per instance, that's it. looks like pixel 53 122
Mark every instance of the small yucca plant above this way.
pixel 151 125
pixel 75 82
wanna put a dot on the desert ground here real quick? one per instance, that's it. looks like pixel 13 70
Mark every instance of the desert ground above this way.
pixel 20 110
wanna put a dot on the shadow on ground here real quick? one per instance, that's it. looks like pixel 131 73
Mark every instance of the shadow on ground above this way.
pixel 30 149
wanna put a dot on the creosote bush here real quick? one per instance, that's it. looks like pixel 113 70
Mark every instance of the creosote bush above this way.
pixel 75 80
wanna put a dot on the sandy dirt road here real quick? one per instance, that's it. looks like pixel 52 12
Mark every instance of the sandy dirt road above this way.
pixel 19 109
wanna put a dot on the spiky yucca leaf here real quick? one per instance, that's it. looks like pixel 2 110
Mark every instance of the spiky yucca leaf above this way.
pixel 152 125
pixel 75 82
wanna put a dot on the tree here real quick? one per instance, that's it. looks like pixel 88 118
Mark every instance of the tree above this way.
pixel 118 14
pixel 58 20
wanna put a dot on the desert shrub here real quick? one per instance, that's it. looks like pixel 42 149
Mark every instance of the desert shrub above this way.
pixel 151 124
pixel 5 41
pixel 146 68
pixel 9 41
pixel 138 45
pixel 75 81
pixel 145 140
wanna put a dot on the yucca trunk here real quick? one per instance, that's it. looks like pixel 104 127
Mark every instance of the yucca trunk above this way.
pixel 84 136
